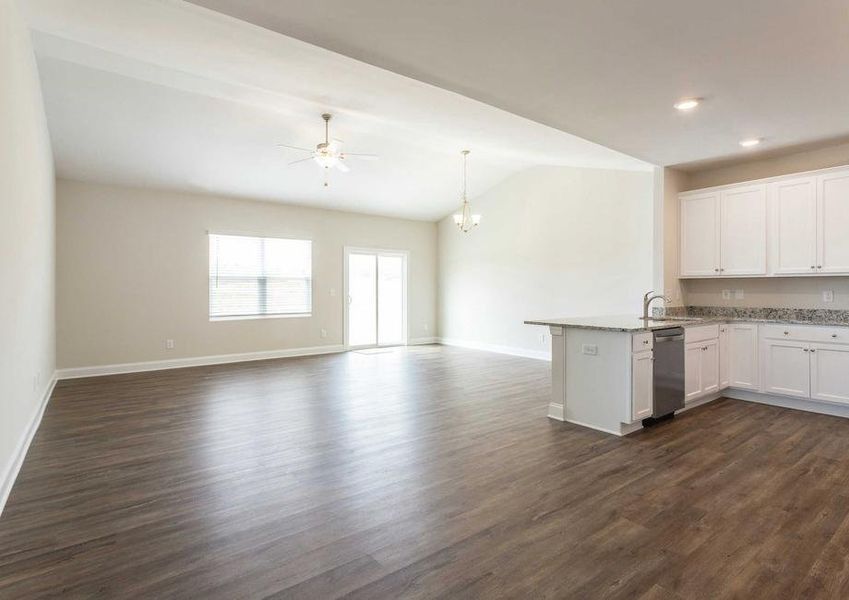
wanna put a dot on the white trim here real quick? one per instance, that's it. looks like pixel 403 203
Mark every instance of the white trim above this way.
pixel 194 361
pixel 10 473
pixel 814 406
pixel 511 350
pixel 688 404
pixel 422 341
pixel 556 412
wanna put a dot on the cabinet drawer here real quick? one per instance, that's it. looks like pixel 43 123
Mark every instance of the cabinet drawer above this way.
pixel 642 341
pixel 805 333
pixel 701 333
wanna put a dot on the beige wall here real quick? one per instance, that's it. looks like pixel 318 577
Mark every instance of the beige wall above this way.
pixel 674 182
pixel 132 271
pixel 792 292
pixel 554 242
pixel 27 349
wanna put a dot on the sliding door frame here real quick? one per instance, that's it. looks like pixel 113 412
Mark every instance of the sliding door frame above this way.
pixel 376 252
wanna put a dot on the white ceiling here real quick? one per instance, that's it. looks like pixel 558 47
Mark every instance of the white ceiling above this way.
pixel 607 70
pixel 167 94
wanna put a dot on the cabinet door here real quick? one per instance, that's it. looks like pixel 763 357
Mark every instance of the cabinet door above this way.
pixel 793 207
pixel 700 235
pixel 743 356
pixel 833 223
pixel 692 370
pixel 710 366
pixel 787 369
pixel 724 358
pixel 829 369
pixel 743 231
pixel 642 385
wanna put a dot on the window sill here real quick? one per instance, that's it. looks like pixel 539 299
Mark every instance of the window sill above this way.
pixel 255 317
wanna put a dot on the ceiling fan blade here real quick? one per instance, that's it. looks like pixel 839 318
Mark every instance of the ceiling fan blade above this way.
pixel 294 147
pixel 294 162
pixel 342 167
pixel 362 156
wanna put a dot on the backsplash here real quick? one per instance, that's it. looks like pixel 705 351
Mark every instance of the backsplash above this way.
pixel 812 315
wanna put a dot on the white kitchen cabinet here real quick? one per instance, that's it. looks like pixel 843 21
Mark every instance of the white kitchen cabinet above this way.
pixel 642 384
pixel 743 231
pixel 833 223
pixel 793 218
pixel 699 252
pixel 830 372
pixel 724 358
pixel 701 368
pixel 787 368
pixel 743 356
pixel 709 367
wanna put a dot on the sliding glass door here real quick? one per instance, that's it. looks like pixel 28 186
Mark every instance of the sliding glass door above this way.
pixel 376 294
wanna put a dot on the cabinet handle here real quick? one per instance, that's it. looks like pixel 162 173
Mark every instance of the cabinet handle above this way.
pixel 813 267
pixel 819 266
pixel 813 350
pixel 786 333
pixel 717 270
pixel 804 349
pixel 834 335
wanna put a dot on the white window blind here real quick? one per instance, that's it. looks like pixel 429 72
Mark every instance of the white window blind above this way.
pixel 253 276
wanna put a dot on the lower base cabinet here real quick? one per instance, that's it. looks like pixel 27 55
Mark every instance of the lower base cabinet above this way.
pixel 701 368
pixel 830 373
pixel 642 385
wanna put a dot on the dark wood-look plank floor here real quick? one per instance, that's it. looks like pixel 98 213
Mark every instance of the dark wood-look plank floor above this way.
pixel 418 473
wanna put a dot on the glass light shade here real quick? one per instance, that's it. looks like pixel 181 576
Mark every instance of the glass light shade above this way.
pixel 476 219
pixel 458 219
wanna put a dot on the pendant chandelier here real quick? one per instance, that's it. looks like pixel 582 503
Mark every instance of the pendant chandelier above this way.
pixel 464 219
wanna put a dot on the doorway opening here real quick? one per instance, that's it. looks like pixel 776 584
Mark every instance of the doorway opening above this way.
pixel 375 297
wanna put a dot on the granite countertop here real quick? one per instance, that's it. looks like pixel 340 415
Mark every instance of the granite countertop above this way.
pixel 615 323
pixel 630 323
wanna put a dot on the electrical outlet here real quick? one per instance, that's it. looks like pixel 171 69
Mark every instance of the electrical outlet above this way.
pixel 726 294
pixel 323 333
pixel 828 296
pixel 589 349
pixel 169 344
pixel 332 291
pixel 426 327
pixel 739 295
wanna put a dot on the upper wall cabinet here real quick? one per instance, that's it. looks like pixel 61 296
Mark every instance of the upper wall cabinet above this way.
pixel 723 234
pixel 700 235
pixel 794 226
pixel 804 218
pixel 833 223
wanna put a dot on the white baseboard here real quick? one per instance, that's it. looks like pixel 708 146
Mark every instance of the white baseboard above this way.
pixel 195 361
pixel 511 350
pixel 556 412
pixel 11 471
pixel 823 408
pixel 422 341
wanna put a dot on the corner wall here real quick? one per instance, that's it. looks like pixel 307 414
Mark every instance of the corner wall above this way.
pixel 553 242
pixel 27 322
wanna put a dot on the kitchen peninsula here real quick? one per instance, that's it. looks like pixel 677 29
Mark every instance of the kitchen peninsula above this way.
pixel 603 368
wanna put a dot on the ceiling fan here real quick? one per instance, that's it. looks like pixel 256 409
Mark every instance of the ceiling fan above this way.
pixel 328 154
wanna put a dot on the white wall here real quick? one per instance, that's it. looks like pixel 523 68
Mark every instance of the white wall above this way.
pixel 132 271
pixel 554 242
pixel 27 355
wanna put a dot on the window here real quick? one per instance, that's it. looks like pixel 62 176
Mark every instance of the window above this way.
pixel 256 277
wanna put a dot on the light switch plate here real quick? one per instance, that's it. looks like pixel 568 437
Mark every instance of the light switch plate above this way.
pixel 589 349
pixel 726 294
pixel 739 295
pixel 828 295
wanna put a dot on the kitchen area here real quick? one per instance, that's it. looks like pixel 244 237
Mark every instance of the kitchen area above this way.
pixel 618 373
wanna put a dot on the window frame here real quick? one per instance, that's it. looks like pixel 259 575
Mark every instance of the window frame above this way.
pixel 250 317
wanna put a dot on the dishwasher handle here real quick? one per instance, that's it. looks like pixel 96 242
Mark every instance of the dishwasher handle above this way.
pixel 669 338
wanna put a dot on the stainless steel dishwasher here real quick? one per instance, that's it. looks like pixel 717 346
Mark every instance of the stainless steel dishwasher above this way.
pixel 668 371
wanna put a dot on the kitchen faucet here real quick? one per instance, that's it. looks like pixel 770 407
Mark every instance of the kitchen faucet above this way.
pixel 647 300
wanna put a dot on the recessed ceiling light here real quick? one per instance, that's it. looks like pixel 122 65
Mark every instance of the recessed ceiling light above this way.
pixel 750 142
pixel 686 104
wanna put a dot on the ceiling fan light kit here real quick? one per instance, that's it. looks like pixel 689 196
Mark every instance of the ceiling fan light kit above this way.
pixel 328 154
pixel 464 219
